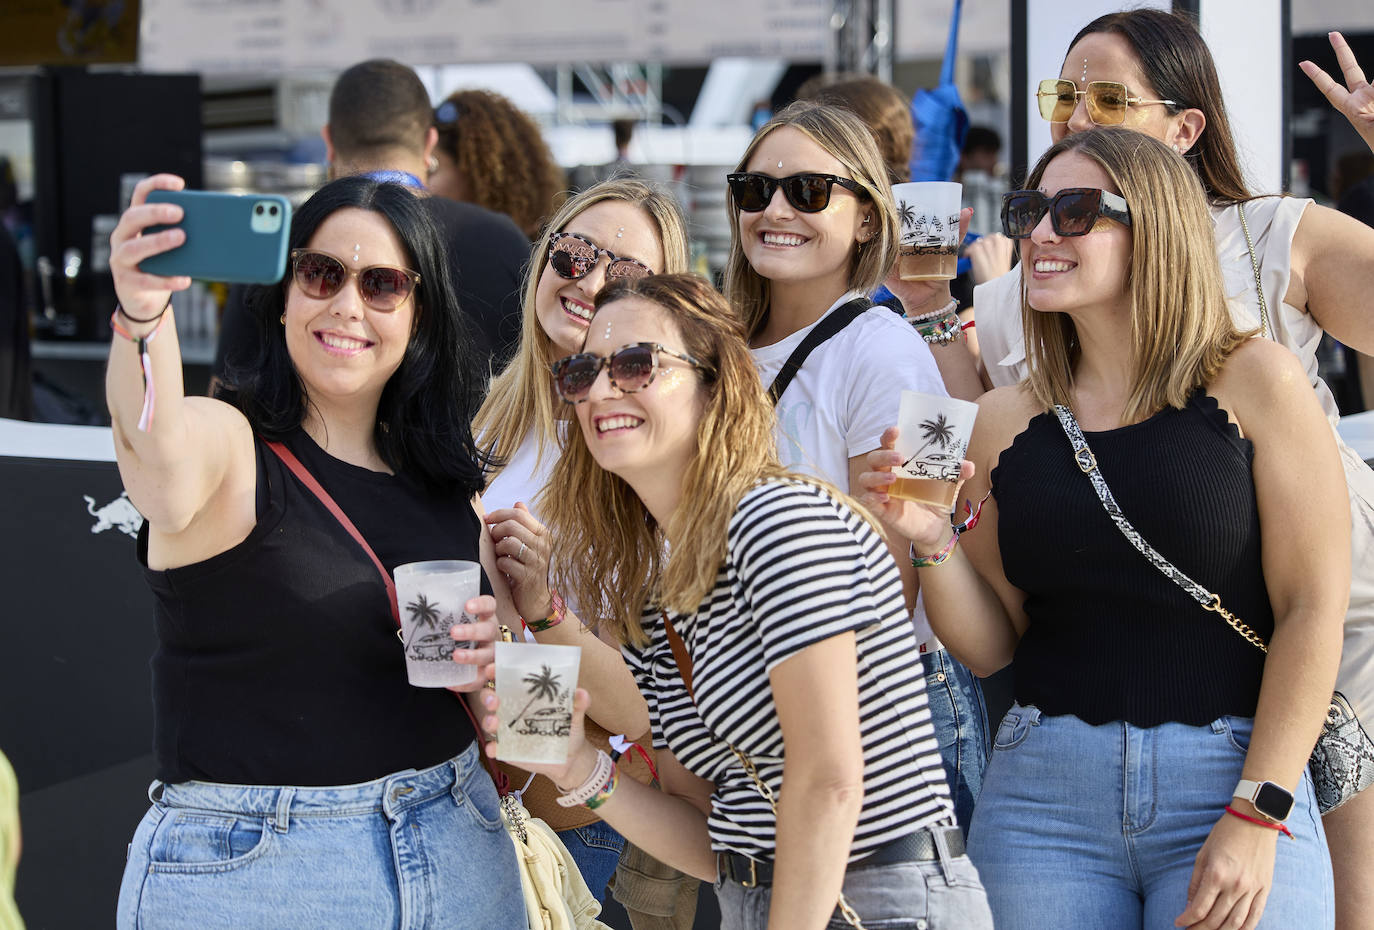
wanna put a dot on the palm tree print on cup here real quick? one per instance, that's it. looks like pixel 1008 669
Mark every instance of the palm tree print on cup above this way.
pixel 906 215
pixel 933 439
pixel 553 720
pixel 433 646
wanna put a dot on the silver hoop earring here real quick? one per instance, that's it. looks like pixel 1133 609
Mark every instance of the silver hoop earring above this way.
pixel 432 164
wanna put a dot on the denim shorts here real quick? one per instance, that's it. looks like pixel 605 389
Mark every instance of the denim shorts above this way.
pixel 596 849
pixel 412 850
pixel 929 895
pixel 1100 826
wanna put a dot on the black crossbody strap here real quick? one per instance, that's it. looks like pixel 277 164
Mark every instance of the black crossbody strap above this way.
pixel 832 324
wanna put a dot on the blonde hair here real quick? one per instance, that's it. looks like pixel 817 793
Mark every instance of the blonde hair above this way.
pixel 622 563
pixel 521 401
pixel 1181 327
pixel 848 141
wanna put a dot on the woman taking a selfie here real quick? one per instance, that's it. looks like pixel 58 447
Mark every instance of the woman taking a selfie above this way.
pixel 301 780
pixel 1165 555
pixel 765 625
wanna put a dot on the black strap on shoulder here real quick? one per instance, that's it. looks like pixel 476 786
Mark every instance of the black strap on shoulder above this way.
pixel 832 324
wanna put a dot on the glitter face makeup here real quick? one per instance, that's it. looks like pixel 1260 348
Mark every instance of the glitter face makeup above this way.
pixel 1085 70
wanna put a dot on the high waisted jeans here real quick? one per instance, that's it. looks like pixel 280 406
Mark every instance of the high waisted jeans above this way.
pixel 411 851
pixel 1100 826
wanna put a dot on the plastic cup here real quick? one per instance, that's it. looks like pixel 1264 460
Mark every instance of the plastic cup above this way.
pixel 929 243
pixel 933 436
pixel 535 685
pixel 431 596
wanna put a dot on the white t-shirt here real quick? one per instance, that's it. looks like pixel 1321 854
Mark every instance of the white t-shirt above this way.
pixel 521 479
pixel 848 391
pixel 799 568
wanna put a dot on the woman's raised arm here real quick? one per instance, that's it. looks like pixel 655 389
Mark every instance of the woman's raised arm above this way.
pixel 175 453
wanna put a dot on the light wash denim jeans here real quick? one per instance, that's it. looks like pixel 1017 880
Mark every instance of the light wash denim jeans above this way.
pixel 933 895
pixel 1099 826
pixel 409 851
pixel 961 728
pixel 596 849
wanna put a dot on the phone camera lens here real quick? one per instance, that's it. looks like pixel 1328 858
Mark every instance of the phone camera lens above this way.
pixel 258 210
pixel 272 210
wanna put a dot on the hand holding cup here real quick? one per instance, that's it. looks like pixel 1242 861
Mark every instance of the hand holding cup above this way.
pixel 926 525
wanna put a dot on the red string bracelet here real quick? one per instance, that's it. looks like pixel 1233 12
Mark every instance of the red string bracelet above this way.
pixel 1261 823
pixel 969 325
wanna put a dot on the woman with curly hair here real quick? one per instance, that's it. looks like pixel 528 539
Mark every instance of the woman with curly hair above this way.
pixel 492 154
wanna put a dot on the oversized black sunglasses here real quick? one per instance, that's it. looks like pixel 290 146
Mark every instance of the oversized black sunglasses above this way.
pixel 1073 211
pixel 320 276
pixel 631 368
pixel 809 193
pixel 573 257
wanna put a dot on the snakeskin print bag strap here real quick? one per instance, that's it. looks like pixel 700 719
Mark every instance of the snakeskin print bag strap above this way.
pixel 1087 463
pixel 1342 763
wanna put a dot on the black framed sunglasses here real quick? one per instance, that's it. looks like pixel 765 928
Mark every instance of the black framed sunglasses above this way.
pixel 573 257
pixel 1107 101
pixel 320 276
pixel 631 368
pixel 809 193
pixel 1073 211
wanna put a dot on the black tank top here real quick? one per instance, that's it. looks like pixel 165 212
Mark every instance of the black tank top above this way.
pixel 1110 637
pixel 278 661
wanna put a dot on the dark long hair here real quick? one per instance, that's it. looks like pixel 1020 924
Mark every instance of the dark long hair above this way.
pixel 1176 61
pixel 424 418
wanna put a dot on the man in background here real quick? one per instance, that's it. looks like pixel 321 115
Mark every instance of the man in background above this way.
pixel 381 124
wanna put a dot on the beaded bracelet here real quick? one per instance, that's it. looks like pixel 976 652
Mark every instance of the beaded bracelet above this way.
pixel 940 313
pixel 941 332
pixel 595 782
pixel 925 561
pixel 558 610
pixel 604 795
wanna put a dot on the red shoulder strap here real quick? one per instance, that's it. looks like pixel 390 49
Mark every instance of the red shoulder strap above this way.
pixel 300 471
pixel 289 459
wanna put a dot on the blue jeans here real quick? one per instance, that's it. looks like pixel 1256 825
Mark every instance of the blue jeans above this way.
pixel 411 850
pixel 596 849
pixel 943 893
pixel 961 727
pixel 1099 826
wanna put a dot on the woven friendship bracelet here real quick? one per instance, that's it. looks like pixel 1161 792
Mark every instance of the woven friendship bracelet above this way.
pixel 604 795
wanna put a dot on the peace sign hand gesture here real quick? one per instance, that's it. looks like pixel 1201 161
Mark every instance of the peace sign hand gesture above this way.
pixel 1356 98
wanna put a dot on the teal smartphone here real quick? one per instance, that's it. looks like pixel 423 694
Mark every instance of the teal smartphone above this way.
pixel 235 238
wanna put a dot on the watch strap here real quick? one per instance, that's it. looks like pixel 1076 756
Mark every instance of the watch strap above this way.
pixel 1249 790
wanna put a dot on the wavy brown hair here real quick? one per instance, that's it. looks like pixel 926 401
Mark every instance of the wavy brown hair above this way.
pixel 882 107
pixel 521 401
pixel 1181 329
pixel 1177 62
pixel 501 155
pixel 622 562
pixel 848 140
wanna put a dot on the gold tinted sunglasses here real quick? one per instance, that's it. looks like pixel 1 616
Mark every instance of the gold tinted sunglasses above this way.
pixel 1107 101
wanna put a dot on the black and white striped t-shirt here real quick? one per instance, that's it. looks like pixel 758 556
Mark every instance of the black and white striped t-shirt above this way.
pixel 800 567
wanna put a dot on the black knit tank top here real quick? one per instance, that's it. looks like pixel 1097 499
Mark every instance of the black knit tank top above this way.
pixel 1110 637
pixel 278 661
